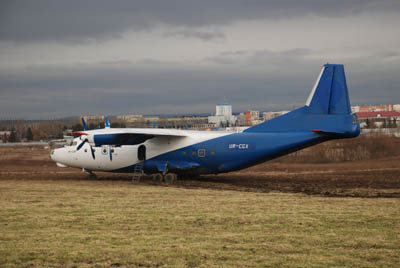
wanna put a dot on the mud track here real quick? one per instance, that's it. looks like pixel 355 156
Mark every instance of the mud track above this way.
pixel 368 179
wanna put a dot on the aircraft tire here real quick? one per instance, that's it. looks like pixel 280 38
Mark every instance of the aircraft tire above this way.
pixel 157 177
pixel 170 177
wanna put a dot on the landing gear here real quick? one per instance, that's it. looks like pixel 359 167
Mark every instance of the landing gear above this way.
pixel 157 177
pixel 92 176
pixel 169 177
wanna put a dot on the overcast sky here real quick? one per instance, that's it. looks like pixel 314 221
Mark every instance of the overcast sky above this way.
pixel 63 58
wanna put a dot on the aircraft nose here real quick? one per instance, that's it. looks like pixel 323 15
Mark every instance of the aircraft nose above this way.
pixel 55 155
pixel 58 156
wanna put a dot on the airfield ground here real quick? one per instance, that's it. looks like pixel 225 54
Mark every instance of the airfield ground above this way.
pixel 277 214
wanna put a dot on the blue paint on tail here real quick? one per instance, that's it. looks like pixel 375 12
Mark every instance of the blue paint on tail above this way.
pixel 330 94
pixel 327 109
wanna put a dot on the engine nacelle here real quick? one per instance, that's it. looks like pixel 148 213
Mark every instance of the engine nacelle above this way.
pixel 113 138
pixel 104 139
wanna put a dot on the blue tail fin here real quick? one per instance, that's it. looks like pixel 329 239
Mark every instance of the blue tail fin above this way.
pixel 330 94
pixel 327 109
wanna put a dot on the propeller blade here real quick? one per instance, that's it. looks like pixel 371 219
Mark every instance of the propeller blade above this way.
pixel 84 124
pixel 107 123
pixel 81 144
pixel 110 153
pixel 92 151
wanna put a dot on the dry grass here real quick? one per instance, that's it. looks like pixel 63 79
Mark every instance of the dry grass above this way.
pixel 364 147
pixel 68 223
pixel 277 214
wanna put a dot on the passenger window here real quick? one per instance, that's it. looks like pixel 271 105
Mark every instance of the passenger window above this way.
pixel 201 152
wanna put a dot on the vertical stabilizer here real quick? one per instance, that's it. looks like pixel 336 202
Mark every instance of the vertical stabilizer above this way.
pixel 327 109
pixel 330 94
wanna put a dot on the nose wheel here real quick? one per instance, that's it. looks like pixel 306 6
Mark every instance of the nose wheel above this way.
pixel 91 175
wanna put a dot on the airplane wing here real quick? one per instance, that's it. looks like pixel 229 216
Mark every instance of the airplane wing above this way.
pixel 127 136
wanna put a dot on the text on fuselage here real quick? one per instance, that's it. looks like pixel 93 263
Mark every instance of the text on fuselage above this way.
pixel 242 146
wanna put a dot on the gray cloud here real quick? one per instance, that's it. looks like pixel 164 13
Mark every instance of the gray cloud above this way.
pixel 151 87
pixel 75 20
pixel 203 35
pixel 186 56
pixel 263 56
pixel 134 88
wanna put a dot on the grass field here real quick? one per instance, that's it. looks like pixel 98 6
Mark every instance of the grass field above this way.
pixel 102 223
pixel 273 215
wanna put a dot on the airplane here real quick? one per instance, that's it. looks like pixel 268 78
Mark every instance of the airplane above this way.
pixel 166 153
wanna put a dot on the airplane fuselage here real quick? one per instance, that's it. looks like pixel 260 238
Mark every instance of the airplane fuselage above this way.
pixel 326 115
pixel 200 151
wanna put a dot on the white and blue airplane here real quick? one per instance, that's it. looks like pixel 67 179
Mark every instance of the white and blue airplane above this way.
pixel 167 153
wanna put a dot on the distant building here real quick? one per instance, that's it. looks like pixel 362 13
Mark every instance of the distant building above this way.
pixel 385 119
pixel 252 117
pixel 93 117
pixel 382 114
pixel 241 119
pixel 270 115
pixel 223 116
pixel 375 108
pixel 151 119
pixel 129 117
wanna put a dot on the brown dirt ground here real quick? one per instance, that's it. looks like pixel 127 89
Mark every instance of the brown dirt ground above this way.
pixel 367 178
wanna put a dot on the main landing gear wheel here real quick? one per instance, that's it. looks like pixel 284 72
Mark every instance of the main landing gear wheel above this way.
pixel 170 177
pixel 157 177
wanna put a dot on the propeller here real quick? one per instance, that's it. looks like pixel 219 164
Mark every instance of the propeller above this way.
pixel 83 143
pixel 84 124
pixel 84 138
pixel 92 151
pixel 107 123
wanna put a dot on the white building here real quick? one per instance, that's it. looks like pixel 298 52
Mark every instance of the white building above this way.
pixel 223 109
pixel 223 116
